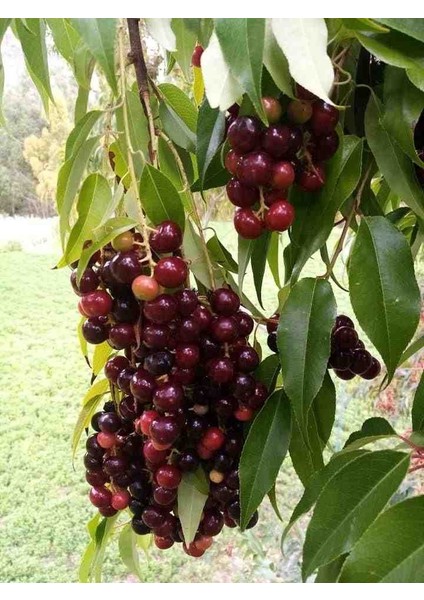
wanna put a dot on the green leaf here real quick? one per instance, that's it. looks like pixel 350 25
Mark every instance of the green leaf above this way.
pixel 93 204
pixel 330 573
pixel 4 24
pixel 210 133
pixel 321 416
pixel 68 181
pixel 160 30
pixel 87 557
pixel 416 76
pixel 411 350
pixel 304 44
pixel 242 43
pixel 348 505
pixel 128 550
pixel 245 249
pixel 181 104
pixel 176 129
pixel 403 106
pixel 364 25
pixel 102 236
pixel 263 453
pixel 267 371
pixel 82 340
pixel 273 257
pixel 80 132
pixel 372 430
pixel 99 35
pixel 193 251
pixel 389 311
pixel 89 405
pixel 137 121
pixel 272 496
pixel 392 549
pixel 418 407
pixel 100 356
pixel 303 339
pixel 216 176
pixel 103 533
pixel 169 167
pixel 159 197
pixel 394 48
pixel 316 484
pixel 258 262
pixel 221 255
pixel 192 495
pixel 33 44
pixel 185 42
pixel 412 27
pixel 343 173
pixel 275 62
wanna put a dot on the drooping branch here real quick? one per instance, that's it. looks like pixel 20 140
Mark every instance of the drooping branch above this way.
pixel 136 56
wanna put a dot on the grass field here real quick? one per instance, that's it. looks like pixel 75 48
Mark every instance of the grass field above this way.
pixel 43 498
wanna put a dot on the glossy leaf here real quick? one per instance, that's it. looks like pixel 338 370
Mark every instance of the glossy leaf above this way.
pixel 263 453
pixel 216 176
pixel 102 236
pixel 245 249
pixel 221 87
pixel 372 430
pixel 275 61
pixel 394 48
pixel 349 503
pixel 272 497
pixel 342 177
pixel 210 134
pixel 94 203
pixel 221 255
pixel 418 407
pixel 316 484
pixel 103 533
pixel 80 133
pixel 100 356
pixel 89 405
pixel 68 182
pixel 392 549
pixel 411 350
pixel 303 339
pixel 185 42
pixel 176 129
pixel 159 197
pixel 273 257
pixel 242 43
pixel 403 106
pixel 169 167
pixel 304 44
pixel 82 340
pixel 161 31
pixel 99 35
pixel 322 414
pixel 137 124
pixel 364 25
pixel 330 573
pixel 258 262
pixel 389 311
pixel 192 495
pixel 4 24
pixel 411 27
pixel 268 370
pixel 193 251
pixel 128 550
pixel 33 44
pixel 180 103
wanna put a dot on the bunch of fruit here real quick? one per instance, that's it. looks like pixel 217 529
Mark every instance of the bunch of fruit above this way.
pixel 266 161
pixel 180 392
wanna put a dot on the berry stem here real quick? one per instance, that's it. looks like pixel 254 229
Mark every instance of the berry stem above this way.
pixel 346 226
pixel 136 56
pixel 194 211
pixel 131 168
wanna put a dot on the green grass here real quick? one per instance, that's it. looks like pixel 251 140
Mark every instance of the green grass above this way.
pixel 43 497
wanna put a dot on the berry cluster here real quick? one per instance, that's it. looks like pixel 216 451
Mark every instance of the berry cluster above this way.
pixel 266 161
pixel 348 355
pixel 182 389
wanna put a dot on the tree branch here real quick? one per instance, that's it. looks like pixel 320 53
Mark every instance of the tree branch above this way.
pixel 136 56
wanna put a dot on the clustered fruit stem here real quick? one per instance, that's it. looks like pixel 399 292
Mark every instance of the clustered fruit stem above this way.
pixel 143 223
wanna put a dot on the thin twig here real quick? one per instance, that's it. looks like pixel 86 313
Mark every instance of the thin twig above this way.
pixel 136 56
pixel 346 226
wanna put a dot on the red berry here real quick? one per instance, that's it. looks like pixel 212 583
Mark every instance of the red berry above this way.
pixel 106 440
pixel 221 370
pixel 282 175
pixel 244 134
pixel 95 330
pixel 255 169
pixel 202 316
pixel 324 146
pixel 167 237
pixel 125 267
pixel 96 304
pixel 123 242
pixel 373 371
pixel 304 94
pixel 203 543
pixel 168 397
pixel 213 439
pixel 272 109
pixel 154 456
pixel 224 329
pixel 122 335
pixel 142 385
pixel 244 322
pixel 299 111
pixel 164 496
pixel 101 497
pixel 145 288
pixel 277 141
pixel 187 302
pixel 195 57
pixel 88 283
pixel 187 355
pixel 247 359
pixel 272 196
pixel 171 272
pixel 243 413
pixel 224 301
pixel 312 179
pixel 324 117
pixel 272 323
pixel 121 500
pixel 146 420
pixel 203 452
pixel 192 550
pixel 168 476
pixel 241 195
pixel 231 161
pixel 247 224
pixel 164 430
pixel 163 543
pixel 279 216
pixel 161 310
